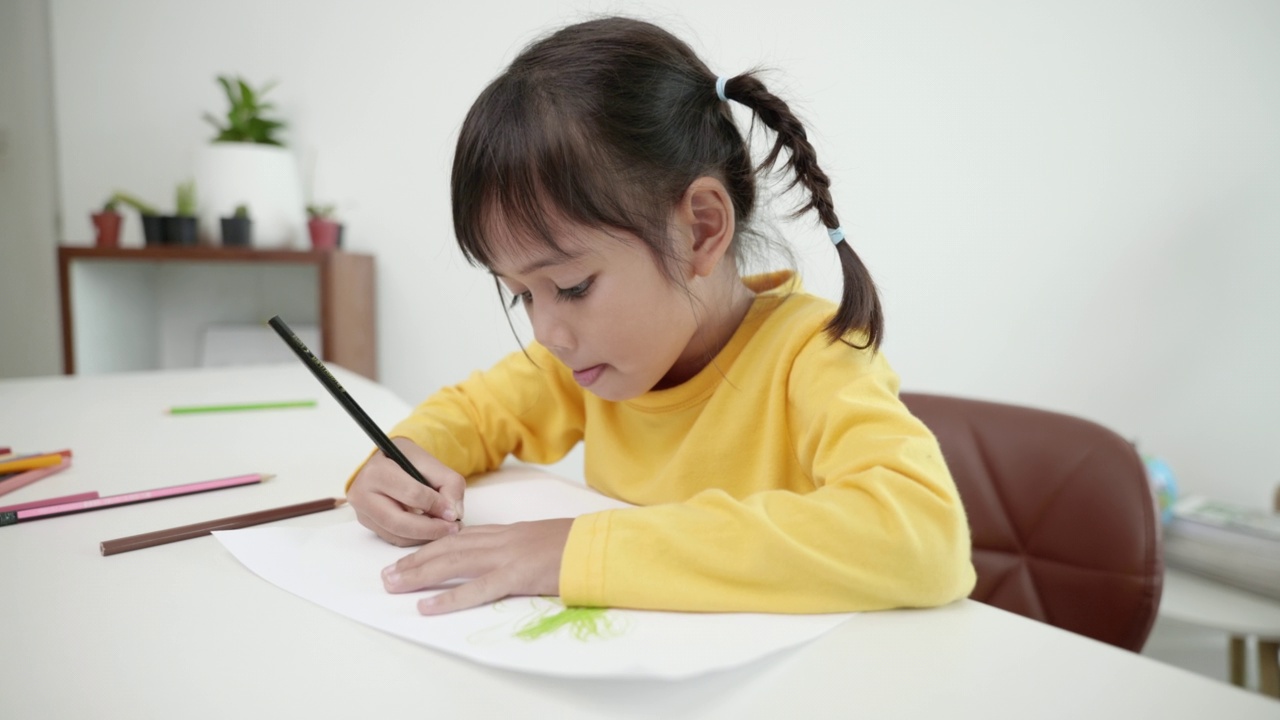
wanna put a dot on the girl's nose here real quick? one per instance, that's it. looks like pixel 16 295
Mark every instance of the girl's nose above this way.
pixel 550 329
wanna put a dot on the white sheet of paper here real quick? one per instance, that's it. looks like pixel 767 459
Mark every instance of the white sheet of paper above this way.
pixel 338 567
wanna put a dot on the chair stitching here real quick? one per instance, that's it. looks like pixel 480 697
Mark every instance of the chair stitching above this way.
pixel 995 487
pixel 1062 486
pixel 1100 571
pixel 1004 509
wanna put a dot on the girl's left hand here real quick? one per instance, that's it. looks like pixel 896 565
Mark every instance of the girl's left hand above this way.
pixel 494 560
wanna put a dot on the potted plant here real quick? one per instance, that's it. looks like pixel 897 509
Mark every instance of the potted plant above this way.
pixel 237 230
pixel 325 230
pixel 247 163
pixel 151 230
pixel 180 227
pixel 107 223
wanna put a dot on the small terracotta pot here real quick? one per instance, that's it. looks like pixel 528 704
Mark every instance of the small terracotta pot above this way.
pixel 325 234
pixel 108 226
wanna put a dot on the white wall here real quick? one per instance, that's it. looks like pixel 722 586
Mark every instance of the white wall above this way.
pixel 1073 205
pixel 29 342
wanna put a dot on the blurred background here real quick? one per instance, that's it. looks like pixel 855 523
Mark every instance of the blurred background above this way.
pixel 1069 205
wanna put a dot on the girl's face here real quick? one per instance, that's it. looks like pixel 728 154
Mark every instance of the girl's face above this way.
pixel 605 310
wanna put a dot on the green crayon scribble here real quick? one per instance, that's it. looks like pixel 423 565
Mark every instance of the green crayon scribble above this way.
pixel 585 623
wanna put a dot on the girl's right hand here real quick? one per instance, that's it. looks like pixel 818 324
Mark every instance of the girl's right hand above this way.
pixel 401 510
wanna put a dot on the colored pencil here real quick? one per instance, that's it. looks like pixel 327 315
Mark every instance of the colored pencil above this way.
pixel 186 532
pixel 23 479
pixel 10 518
pixel 50 501
pixel 6 474
pixel 6 451
pixel 29 462
pixel 331 384
pixel 195 409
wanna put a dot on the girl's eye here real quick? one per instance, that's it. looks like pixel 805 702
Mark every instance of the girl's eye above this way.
pixel 525 297
pixel 577 292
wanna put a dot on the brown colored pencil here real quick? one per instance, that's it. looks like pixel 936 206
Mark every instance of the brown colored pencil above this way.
pixel 186 532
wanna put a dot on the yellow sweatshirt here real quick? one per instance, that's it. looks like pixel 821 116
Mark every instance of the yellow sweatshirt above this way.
pixel 786 476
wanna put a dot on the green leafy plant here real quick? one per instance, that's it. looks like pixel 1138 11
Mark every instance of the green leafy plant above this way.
pixel 185 199
pixel 133 202
pixel 245 121
pixel 111 204
pixel 321 212
pixel 242 211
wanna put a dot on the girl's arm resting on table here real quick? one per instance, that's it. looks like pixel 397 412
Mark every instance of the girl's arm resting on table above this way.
pixel 883 528
pixel 873 544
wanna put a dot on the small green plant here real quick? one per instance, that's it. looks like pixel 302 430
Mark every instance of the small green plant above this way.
pixel 185 199
pixel 245 120
pixel 242 211
pixel 111 204
pixel 321 212
pixel 133 202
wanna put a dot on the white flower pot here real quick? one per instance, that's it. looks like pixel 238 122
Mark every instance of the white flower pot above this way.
pixel 262 177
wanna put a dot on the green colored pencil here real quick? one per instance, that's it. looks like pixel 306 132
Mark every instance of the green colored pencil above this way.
pixel 193 409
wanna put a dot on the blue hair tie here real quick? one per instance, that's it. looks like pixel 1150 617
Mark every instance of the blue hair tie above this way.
pixel 720 82
pixel 837 235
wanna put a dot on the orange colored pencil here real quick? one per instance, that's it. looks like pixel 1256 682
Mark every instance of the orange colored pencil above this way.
pixel 30 462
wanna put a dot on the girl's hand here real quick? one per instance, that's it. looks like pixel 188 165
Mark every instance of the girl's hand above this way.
pixel 494 560
pixel 402 510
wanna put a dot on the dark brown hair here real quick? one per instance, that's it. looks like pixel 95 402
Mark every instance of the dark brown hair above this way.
pixel 606 123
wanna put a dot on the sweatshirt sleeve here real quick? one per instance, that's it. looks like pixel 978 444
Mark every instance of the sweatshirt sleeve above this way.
pixel 883 528
pixel 522 406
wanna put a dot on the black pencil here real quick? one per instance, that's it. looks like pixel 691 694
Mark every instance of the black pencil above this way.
pixel 331 384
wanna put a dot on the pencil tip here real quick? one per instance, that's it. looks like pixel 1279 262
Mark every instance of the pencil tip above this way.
pixel 339 502
pixel 266 476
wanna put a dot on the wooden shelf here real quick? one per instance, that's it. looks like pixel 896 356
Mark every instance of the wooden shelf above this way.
pixel 343 303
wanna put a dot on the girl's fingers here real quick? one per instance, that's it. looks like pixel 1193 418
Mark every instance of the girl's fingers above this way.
pixel 444 498
pixel 467 555
pixel 387 518
pixel 486 588
pixel 493 561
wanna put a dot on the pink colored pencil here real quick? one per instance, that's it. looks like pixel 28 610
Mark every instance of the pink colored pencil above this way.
pixel 50 501
pixel 22 479
pixel 130 498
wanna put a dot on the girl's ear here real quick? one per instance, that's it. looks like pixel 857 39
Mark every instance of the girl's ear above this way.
pixel 705 216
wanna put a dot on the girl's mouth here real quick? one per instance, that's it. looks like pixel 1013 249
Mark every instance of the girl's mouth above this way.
pixel 588 376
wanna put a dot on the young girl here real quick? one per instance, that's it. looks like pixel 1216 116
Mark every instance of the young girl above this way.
pixel 602 181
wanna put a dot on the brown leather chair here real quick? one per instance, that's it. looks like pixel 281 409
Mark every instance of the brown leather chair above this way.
pixel 1064 524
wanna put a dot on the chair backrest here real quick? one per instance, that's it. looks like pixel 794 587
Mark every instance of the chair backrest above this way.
pixel 1064 523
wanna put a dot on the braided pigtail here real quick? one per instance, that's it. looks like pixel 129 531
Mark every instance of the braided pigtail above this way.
pixel 859 303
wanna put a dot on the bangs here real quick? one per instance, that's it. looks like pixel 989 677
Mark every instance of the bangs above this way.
pixel 524 167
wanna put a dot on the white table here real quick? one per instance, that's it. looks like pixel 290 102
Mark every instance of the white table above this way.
pixel 1241 614
pixel 183 630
